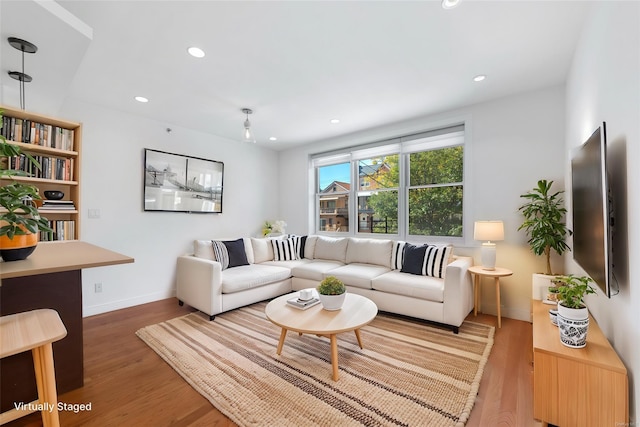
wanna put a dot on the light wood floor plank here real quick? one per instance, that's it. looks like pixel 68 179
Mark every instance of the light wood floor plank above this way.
pixel 127 383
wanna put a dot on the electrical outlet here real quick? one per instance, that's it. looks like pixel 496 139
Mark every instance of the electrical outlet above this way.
pixel 98 288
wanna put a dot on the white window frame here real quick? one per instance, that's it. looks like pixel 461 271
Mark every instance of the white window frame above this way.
pixel 456 134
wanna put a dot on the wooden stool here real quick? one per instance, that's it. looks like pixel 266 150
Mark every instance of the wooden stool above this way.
pixel 34 330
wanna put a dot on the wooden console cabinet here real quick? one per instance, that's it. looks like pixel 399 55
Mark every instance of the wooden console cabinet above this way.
pixel 576 387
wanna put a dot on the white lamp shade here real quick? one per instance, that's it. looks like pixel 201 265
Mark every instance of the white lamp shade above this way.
pixel 488 230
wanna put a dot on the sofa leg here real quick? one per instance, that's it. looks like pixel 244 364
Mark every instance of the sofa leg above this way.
pixel 212 317
pixel 455 329
pixel 180 303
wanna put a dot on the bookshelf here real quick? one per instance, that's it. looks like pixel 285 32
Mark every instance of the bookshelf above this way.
pixel 57 145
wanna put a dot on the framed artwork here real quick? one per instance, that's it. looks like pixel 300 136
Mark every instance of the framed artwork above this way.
pixel 179 183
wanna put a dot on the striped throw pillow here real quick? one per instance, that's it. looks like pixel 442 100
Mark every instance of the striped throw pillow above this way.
pixel 284 250
pixel 426 260
pixel 221 254
pixel 397 255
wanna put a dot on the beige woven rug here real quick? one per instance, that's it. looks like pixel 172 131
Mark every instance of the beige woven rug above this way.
pixel 408 374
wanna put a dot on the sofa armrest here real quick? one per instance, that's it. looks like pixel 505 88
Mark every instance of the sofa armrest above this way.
pixel 199 283
pixel 458 291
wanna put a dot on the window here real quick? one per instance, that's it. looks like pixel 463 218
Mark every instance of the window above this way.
pixel 435 192
pixel 334 187
pixel 378 205
pixel 409 186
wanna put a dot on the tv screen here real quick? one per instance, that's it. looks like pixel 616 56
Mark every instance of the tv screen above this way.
pixel 591 209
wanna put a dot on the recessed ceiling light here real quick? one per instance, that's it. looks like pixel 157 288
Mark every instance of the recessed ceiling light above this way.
pixel 450 4
pixel 141 99
pixel 273 138
pixel 334 121
pixel 196 52
pixel 479 78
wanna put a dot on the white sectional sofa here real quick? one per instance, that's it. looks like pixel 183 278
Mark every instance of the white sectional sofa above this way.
pixel 426 282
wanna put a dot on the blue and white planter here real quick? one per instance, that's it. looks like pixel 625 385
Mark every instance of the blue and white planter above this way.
pixel 573 324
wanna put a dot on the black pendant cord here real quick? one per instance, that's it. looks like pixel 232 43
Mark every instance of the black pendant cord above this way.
pixel 22 98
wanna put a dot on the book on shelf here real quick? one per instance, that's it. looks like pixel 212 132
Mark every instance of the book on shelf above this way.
pixel 29 132
pixel 62 230
pixel 302 304
pixel 58 205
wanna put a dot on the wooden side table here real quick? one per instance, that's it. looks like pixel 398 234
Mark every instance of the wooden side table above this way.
pixel 479 272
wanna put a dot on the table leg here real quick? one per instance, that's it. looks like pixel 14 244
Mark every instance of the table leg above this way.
pixel 357 331
pixel 283 335
pixel 476 291
pixel 334 356
pixel 497 281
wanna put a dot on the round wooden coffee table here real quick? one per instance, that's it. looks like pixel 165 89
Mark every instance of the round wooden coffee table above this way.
pixel 356 312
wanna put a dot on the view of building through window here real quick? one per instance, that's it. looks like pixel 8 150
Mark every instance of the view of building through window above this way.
pixel 417 192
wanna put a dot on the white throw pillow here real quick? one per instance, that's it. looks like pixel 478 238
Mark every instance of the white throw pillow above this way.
pixel 262 250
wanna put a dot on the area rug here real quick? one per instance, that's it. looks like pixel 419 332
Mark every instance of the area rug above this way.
pixel 408 374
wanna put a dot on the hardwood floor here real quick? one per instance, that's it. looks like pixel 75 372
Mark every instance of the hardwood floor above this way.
pixel 128 384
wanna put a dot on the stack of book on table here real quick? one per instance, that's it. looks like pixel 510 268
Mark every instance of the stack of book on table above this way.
pixel 302 304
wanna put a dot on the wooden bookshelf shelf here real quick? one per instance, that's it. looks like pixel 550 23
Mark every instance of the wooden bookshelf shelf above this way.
pixel 36 137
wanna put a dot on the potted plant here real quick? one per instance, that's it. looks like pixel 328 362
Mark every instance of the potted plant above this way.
pixel 332 293
pixel 544 224
pixel 573 316
pixel 20 221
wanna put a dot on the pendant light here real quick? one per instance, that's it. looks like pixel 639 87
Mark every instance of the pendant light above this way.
pixel 247 133
pixel 23 46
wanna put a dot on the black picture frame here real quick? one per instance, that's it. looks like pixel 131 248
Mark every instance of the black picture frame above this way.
pixel 180 183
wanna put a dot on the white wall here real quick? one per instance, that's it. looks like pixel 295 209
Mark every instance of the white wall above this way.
pixel 112 174
pixel 604 85
pixel 514 142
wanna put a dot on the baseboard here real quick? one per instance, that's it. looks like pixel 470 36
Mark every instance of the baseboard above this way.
pixel 511 313
pixel 125 303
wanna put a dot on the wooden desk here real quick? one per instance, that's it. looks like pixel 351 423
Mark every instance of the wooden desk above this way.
pixel 50 278
pixel 576 387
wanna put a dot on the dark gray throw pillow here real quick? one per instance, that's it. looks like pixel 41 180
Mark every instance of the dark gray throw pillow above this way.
pixel 237 254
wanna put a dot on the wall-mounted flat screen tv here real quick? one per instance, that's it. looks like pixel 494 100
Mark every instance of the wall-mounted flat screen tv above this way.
pixel 592 216
pixel 179 183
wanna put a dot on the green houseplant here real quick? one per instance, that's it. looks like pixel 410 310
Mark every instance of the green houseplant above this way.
pixel 544 221
pixel 573 316
pixel 20 221
pixel 332 293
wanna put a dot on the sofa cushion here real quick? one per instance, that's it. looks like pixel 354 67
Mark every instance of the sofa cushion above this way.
pixel 284 250
pixel 315 270
pixel 252 276
pixel 369 251
pixel 329 248
pixel 426 260
pixel 421 287
pixel 310 246
pixel 262 250
pixel 358 275
pixel 288 264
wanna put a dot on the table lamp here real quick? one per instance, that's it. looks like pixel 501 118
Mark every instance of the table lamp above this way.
pixel 489 231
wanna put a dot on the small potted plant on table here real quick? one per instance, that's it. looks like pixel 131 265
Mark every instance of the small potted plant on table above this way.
pixel 332 293
pixel 573 316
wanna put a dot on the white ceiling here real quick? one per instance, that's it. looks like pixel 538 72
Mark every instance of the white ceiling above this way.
pixel 297 64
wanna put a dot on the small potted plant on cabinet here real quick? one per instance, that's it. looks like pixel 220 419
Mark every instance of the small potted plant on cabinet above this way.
pixel 332 293
pixel 573 316
pixel 544 224
pixel 20 221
